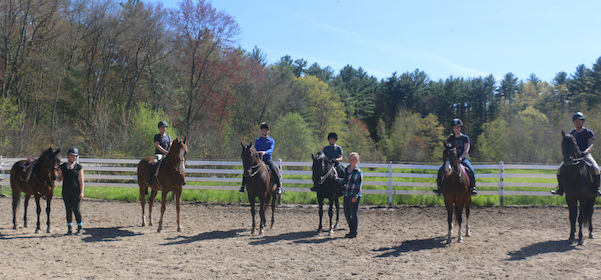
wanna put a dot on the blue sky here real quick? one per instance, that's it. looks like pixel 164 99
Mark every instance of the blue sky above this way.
pixel 441 38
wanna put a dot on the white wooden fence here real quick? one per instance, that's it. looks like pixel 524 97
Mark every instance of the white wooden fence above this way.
pixel 122 173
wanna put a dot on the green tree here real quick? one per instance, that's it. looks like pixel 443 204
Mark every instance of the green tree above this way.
pixel 293 138
pixel 493 143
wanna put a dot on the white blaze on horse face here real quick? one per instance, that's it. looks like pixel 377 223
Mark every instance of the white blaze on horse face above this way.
pixel 447 168
pixel 182 164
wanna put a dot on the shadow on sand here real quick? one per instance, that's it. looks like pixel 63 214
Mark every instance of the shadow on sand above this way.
pixel 217 234
pixel 412 246
pixel 105 234
pixel 555 246
pixel 289 236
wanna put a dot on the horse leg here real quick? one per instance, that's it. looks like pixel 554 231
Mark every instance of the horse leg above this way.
pixel 178 195
pixel 143 204
pixel 163 202
pixel 590 219
pixel 331 213
pixel 261 214
pixel 252 212
pixel 15 206
pixel 468 233
pixel 38 210
pixel 25 204
pixel 450 222
pixel 337 203
pixel 320 202
pixel 459 215
pixel 153 195
pixel 573 209
pixel 273 201
pixel 48 200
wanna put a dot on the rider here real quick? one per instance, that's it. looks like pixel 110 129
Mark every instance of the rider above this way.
pixel 162 144
pixel 71 173
pixel 333 152
pixel 462 144
pixel 264 146
pixel 584 138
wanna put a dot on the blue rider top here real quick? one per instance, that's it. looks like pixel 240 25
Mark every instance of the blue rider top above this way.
pixel 582 137
pixel 332 151
pixel 265 144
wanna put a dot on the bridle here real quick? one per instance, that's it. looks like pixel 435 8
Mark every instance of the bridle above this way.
pixel 327 174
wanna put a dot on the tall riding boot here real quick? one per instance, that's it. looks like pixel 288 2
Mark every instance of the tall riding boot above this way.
pixel 69 230
pixel 596 179
pixel 438 183
pixel 559 190
pixel 473 190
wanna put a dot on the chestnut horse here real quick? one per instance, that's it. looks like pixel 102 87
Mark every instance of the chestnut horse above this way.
pixel 455 189
pixel 326 185
pixel 40 184
pixel 258 185
pixel 171 177
pixel 578 185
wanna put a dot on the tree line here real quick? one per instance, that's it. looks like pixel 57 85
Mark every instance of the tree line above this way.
pixel 99 75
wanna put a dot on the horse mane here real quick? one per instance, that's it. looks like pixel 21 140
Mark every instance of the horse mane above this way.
pixel 569 148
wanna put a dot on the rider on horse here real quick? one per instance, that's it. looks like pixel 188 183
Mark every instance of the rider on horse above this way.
pixel 264 146
pixel 584 138
pixel 162 143
pixel 334 154
pixel 462 144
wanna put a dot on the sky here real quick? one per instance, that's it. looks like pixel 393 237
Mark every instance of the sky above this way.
pixel 442 38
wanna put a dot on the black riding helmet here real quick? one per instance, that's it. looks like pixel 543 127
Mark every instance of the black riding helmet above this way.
pixel 162 124
pixel 333 135
pixel 578 116
pixel 457 121
pixel 73 151
pixel 264 125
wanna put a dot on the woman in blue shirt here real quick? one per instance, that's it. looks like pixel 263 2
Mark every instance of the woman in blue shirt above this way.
pixel 352 194
pixel 264 146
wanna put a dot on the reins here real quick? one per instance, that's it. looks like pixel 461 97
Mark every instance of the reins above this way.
pixel 325 176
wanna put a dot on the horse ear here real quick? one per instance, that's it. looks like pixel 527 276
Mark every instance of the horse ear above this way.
pixel 241 144
pixel 312 157
pixel 250 144
pixel 57 152
pixel 563 133
pixel 185 139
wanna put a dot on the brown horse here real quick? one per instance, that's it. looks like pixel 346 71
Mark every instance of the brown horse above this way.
pixel 455 189
pixel 171 177
pixel 40 184
pixel 258 184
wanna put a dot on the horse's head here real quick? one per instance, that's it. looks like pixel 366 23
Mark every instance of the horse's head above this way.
pixel 449 157
pixel 569 148
pixel 48 164
pixel 179 153
pixel 320 166
pixel 249 157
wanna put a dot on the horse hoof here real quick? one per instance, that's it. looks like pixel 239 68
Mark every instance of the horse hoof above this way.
pixel 330 232
pixel 468 234
pixel 591 236
pixel 448 241
pixel 159 229
pixel 179 228
pixel 580 242
pixel 37 230
pixel 14 227
pixel 48 230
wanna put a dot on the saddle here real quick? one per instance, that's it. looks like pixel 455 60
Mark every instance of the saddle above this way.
pixel 27 169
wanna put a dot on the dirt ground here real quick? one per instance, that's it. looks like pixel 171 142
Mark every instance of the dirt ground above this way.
pixel 397 243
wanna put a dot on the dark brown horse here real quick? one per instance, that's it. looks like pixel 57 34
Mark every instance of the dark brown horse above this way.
pixel 578 185
pixel 258 185
pixel 171 177
pixel 326 185
pixel 455 189
pixel 40 184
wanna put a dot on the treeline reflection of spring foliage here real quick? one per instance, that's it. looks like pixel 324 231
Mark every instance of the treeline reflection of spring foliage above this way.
pixel 99 75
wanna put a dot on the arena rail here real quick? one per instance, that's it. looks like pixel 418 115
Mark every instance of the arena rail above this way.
pixel 379 178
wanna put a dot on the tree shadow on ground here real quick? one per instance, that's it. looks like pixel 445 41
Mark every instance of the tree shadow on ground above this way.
pixel 411 246
pixel 554 246
pixel 106 234
pixel 289 236
pixel 217 234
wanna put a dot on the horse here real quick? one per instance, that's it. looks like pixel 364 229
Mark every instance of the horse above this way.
pixel 171 177
pixel 257 179
pixel 326 185
pixel 40 184
pixel 455 190
pixel 577 182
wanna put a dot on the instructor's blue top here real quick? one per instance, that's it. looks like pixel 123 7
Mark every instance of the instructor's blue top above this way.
pixel 265 144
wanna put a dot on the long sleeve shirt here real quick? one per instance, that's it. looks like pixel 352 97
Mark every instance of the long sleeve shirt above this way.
pixel 265 144
pixel 353 182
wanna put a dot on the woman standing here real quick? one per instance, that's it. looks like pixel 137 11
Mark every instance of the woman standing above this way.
pixel 71 173
pixel 352 194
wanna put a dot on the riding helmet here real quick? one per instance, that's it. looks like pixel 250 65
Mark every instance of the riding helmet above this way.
pixel 578 116
pixel 162 124
pixel 73 151
pixel 264 125
pixel 333 135
pixel 457 121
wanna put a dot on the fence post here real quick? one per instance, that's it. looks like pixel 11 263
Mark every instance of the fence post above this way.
pixel 501 184
pixel 390 183
pixel 280 167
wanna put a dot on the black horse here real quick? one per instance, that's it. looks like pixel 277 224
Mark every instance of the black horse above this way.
pixel 577 181
pixel 327 187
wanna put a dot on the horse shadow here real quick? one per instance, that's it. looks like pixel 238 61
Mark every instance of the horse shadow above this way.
pixel 106 234
pixel 553 246
pixel 289 236
pixel 411 246
pixel 217 234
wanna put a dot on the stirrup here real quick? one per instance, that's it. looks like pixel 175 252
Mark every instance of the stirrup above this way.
pixel 241 189
pixel 437 191
pixel 557 192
